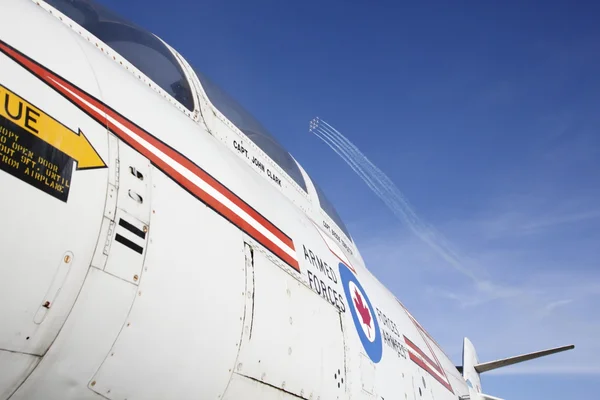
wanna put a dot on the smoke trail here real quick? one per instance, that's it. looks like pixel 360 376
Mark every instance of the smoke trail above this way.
pixel 389 185
pixel 388 192
pixel 341 148
pixel 374 177
pixel 392 197
pixel 355 155
pixel 342 152
pixel 324 125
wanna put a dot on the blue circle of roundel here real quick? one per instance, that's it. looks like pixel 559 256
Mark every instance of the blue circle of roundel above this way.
pixel 373 349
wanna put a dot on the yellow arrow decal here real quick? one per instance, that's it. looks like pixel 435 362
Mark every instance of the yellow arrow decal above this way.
pixel 33 120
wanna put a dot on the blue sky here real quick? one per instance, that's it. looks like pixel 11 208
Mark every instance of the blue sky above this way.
pixel 485 117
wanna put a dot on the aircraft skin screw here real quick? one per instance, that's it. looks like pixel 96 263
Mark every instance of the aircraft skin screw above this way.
pixel 67 259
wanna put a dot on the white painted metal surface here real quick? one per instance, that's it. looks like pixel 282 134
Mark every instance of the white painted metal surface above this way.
pixel 15 368
pixel 46 242
pixel 241 387
pixel 65 372
pixel 295 338
pixel 184 262
pixel 194 304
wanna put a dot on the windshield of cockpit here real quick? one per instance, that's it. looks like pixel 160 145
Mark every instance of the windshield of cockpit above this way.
pixel 256 132
pixel 251 127
pixel 150 55
pixel 138 46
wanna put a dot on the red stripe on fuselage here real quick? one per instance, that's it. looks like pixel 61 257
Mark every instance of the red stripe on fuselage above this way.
pixel 418 350
pixel 426 367
pixel 72 93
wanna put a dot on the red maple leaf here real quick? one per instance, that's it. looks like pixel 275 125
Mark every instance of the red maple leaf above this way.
pixel 365 315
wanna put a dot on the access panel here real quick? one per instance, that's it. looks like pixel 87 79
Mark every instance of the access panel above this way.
pixel 292 337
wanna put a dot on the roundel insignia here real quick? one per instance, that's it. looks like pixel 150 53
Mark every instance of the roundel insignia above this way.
pixel 363 314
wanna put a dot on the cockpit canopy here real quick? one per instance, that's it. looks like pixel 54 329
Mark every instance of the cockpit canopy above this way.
pixel 330 210
pixel 154 59
pixel 251 127
pixel 141 48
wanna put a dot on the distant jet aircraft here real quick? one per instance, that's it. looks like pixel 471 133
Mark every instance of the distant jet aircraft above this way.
pixel 158 243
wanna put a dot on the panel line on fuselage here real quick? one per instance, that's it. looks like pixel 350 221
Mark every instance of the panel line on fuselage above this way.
pixel 175 165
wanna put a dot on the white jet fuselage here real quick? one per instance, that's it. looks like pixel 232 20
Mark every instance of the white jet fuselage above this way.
pixel 152 250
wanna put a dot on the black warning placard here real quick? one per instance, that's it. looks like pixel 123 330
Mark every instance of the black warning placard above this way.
pixel 34 161
pixel 40 150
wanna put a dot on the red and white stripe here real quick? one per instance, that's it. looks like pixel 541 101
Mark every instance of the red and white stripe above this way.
pixel 433 367
pixel 423 361
pixel 179 168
